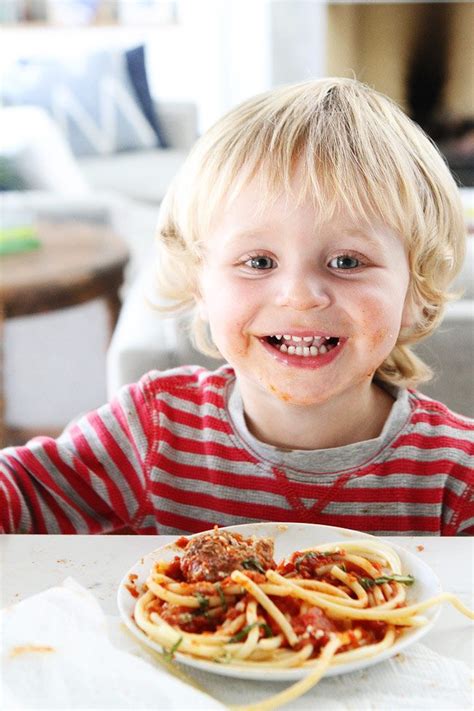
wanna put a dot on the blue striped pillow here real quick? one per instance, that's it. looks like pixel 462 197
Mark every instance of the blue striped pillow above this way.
pixel 100 101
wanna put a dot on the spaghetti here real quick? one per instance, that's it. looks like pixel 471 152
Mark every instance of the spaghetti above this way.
pixel 226 600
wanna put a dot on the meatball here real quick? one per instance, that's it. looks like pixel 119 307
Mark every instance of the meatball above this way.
pixel 213 556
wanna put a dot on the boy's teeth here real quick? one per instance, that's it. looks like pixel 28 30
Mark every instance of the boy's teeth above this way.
pixel 303 345
pixel 310 340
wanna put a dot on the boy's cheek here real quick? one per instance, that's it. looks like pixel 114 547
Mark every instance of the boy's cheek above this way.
pixel 378 328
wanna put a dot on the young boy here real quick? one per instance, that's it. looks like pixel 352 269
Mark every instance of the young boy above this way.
pixel 314 231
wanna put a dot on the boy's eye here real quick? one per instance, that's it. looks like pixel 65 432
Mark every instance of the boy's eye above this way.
pixel 345 261
pixel 260 262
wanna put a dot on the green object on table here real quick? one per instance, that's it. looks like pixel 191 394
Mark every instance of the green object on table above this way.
pixel 18 239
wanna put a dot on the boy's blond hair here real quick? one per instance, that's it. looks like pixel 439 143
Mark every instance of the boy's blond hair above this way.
pixel 357 149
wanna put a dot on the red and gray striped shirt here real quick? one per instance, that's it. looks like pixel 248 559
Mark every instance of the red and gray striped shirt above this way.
pixel 172 455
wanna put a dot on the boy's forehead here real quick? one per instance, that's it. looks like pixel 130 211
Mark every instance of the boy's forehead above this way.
pixel 257 194
pixel 253 211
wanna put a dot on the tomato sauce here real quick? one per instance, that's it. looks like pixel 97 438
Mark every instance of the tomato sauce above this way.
pixel 190 619
pixel 173 570
pixel 376 628
pixel 306 564
pixel 288 605
pixel 181 542
pixel 132 590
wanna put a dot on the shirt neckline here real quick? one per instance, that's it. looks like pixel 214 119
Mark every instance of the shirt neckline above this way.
pixel 335 459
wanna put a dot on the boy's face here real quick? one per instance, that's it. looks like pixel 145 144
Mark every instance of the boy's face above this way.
pixel 338 289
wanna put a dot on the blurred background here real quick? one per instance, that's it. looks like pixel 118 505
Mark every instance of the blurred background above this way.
pixel 101 101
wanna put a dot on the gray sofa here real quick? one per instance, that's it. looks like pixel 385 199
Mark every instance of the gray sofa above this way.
pixel 123 188
pixel 146 174
pixel 37 156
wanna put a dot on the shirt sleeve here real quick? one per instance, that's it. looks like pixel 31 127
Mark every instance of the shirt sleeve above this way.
pixel 92 479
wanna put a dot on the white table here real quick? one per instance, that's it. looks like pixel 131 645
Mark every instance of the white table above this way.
pixel 31 563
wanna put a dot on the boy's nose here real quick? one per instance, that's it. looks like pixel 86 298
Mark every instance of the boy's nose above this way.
pixel 302 293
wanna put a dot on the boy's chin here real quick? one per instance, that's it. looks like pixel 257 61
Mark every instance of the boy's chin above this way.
pixel 327 391
pixel 303 398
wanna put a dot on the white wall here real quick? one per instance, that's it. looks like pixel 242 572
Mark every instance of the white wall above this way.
pixel 238 48
pixel 220 53
pixel 298 40
pixel 222 56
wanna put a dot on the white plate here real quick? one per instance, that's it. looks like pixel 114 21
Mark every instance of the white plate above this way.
pixel 290 537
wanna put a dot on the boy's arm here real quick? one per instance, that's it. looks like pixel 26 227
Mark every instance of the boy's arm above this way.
pixel 92 479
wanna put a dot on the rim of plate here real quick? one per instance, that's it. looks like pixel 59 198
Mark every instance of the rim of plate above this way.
pixel 277 530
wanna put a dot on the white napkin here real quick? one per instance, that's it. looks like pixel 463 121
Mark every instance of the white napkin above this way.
pixel 59 651
pixel 56 654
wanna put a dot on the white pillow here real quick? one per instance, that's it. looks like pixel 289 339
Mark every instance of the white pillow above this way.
pixel 34 147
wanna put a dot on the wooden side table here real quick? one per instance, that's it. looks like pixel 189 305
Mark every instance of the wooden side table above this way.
pixel 77 262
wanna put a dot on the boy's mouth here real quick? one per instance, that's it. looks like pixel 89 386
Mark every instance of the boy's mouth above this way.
pixel 303 346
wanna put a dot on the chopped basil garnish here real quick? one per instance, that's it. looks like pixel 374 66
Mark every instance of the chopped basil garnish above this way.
pixel 169 653
pixel 368 583
pixel 245 630
pixel 203 602
pixel 267 630
pixel 253 564
pixel 301 559
pixel 221 595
